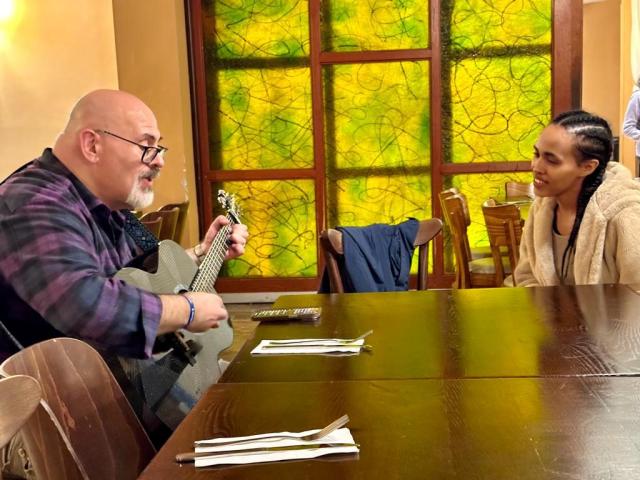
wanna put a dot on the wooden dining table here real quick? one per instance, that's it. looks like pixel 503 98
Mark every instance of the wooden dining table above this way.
pixel 500 332
pixel 536 383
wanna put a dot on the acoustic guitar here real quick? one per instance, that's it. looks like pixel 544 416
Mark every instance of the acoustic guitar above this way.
pixel 176 273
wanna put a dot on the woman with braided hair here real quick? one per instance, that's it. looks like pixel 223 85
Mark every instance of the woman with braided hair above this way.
pixel 584 226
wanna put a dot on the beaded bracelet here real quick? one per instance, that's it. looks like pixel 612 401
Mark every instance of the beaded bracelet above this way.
pixel 192 311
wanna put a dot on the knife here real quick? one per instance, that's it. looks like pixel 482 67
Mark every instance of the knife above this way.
pixel 189 457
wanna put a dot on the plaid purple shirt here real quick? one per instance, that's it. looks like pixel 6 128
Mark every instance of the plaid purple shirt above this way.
pixel 59 249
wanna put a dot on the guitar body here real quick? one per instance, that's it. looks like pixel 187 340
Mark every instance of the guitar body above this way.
pixel 175 273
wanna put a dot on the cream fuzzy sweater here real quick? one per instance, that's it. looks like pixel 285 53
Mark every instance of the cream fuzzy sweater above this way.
pixel 608 243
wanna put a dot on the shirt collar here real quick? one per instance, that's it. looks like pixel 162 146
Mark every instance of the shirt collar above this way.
pixel 52 163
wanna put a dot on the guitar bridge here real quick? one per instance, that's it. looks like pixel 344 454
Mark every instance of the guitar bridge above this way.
pixel 185 348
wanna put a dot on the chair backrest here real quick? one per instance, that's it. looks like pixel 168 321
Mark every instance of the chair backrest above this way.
pixel 153 225
pixel 331 244
pixel 50 452
pixel 19 398
pixel 89 404
pixel 518 190
pixel 454 191
pixel 455 212
pixel 169 220
pixel 22 409
pixel 183 208
pixel 504 228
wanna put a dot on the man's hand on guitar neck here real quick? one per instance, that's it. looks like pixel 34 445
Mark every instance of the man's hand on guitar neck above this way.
pixel 209 310
pixel 236 240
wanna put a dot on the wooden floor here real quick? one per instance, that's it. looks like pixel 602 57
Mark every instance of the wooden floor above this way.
pixel 243 326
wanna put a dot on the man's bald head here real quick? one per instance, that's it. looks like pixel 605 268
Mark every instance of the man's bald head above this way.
pixel 105 109
pixel 97 145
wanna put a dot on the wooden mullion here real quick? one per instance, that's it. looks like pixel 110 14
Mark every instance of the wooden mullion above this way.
pixel 244 175
pixel 435 70
pixel 566 55
pixel 375 56
pixel 484 167
pixel 195 44
pixel 317 121
pixel 270 284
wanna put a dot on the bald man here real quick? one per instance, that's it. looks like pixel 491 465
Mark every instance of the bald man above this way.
pixel 63 237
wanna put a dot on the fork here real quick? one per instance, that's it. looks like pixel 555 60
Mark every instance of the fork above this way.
pixel 308 437
pixel 312 340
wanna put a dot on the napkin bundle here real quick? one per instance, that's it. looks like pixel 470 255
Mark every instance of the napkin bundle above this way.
pixel 308 346
pixel 261 448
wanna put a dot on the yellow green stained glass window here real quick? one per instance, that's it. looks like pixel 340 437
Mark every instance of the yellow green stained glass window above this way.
pixel 495 99
pixel 375 25
pixel 377 115
pixel 498 65
pixel 280 216
pixel 499 106
pixel 257 29
pixel 377 143
pixel 264 119
pixel 366 200
pixel 482 24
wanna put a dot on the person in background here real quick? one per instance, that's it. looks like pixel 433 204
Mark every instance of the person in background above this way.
pixel 631 124
pixel 63 236
pixel 584 224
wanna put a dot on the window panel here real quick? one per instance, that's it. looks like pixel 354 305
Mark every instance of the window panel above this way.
pixel 255 28
pixel 389 199
pixel 499 106
pixel 481 24
pixel 377 115
pixel 375 25
pixel 264 119
pixel 280 216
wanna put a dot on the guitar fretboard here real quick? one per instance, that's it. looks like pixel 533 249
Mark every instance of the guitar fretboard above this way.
pixel 207 275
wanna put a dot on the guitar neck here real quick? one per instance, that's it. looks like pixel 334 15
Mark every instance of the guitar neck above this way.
pixel 209 269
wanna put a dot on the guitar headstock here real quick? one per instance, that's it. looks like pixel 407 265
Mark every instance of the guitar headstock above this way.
pixel 228 203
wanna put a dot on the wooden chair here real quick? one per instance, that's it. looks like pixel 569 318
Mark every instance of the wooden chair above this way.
pixel 504 227
pixel 87 401
pixel 183 208
pixel 331 244
pixel 470 273
pixel 153 225
pixel 22 409
pixel 168 221
pixel 476 252
pixel 514 191
pixel 19 398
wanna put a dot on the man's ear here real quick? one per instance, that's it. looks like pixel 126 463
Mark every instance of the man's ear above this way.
pixel 90 145
pixel 589 166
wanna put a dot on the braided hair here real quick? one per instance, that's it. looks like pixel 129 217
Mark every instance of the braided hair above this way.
pixel 592 140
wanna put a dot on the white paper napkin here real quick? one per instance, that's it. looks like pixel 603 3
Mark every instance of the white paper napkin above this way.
pixel 308 346
pixel 232 455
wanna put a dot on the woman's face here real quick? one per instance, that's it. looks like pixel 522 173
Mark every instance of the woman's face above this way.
pixel 556 172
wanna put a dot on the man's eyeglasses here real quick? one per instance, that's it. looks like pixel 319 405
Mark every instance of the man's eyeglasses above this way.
pixel 148 153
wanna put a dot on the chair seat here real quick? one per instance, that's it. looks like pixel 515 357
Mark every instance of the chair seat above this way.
pixel 480 252
pixel 486 265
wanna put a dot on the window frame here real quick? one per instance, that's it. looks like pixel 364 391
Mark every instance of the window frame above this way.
pixel 566 79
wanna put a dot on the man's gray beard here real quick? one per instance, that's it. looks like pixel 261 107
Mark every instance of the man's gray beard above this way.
pixel 138 199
